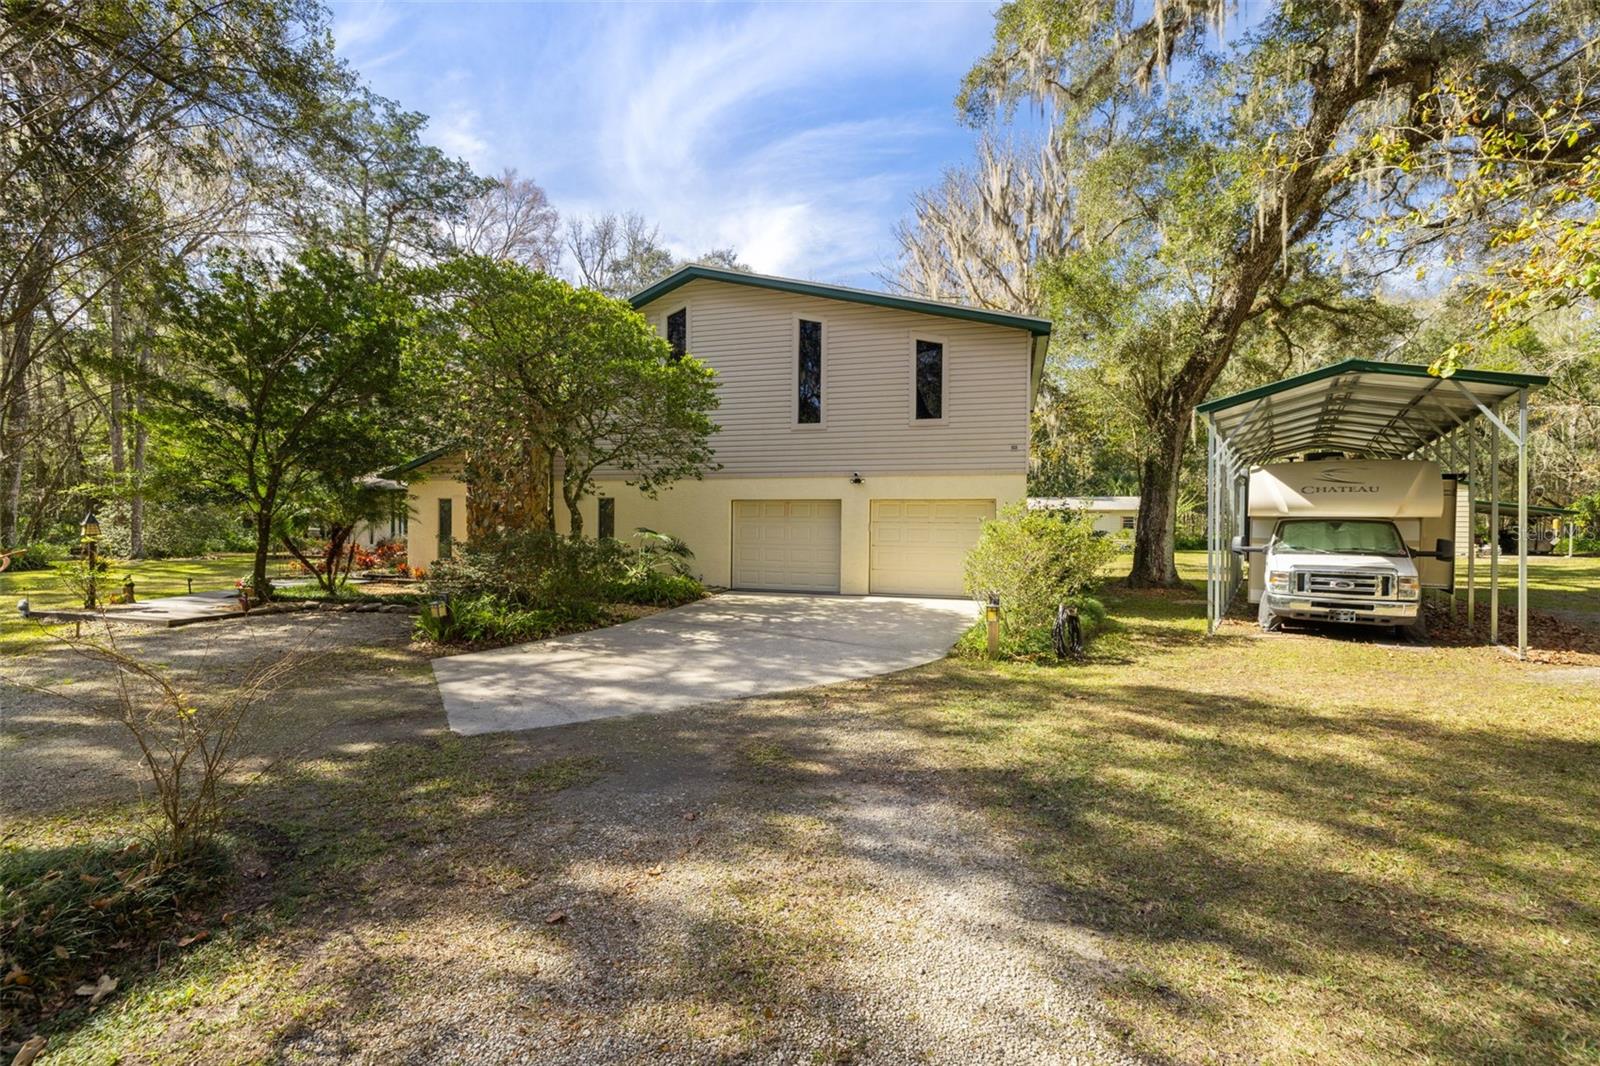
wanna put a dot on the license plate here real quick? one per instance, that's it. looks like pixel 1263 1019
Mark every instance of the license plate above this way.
pixel 1341 616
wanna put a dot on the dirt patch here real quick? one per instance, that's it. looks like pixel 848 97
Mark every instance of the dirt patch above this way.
pixel 60 745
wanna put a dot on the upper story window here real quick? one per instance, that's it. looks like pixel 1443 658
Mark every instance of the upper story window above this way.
pixel 678 332
pixel 928 380
pixel 808 396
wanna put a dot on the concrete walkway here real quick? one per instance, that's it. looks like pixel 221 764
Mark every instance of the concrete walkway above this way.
pixel 734 645
pixel 162 611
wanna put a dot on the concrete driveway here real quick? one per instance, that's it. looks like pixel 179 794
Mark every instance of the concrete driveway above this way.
pixel 733 645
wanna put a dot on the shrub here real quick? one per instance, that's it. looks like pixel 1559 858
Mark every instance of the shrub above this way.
pixel 531 569
pixel 1189 542
pixel 653 588
pixel 1031 643
pixel 175 529
pixel 1035 560
pixel 37 556
pixel 1580 545
pixel 480 619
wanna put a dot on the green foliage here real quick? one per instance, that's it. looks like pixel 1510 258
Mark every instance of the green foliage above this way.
pixel 175 530
pixel 576 373
pixel 1031 643
pixel 1035 560
pixel 68 913
pixel 660 551
pixel 488 619
pixel 37 556
pixel 282 379
pixel 542 570
pixel 531 568
pixel 656 589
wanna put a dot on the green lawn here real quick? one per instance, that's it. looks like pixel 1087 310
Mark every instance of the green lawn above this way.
pixel 1303 848
pixel 55 589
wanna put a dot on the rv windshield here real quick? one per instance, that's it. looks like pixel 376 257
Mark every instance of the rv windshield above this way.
pixel 1343 537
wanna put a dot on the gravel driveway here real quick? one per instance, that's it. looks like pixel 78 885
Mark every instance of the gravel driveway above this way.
pixel 774 880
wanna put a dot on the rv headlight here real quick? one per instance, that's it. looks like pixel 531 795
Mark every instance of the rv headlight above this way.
pixel 1280 580
pixel 1409 587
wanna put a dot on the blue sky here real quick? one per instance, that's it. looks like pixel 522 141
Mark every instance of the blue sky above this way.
pixel 795 132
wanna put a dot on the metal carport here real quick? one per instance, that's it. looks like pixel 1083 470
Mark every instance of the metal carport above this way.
pixel 1368 410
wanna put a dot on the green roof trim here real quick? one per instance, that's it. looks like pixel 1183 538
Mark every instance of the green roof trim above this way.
pixel 1038 327
pixel 422 460
pixel 1509 508
pixel 1370 366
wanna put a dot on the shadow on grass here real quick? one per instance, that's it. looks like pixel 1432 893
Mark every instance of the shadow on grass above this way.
pixel 1394 883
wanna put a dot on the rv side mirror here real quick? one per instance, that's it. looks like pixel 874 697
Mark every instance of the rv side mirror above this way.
pixel 1444 549
pixel 1241 548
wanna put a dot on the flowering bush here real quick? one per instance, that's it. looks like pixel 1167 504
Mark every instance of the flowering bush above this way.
pixel 381 556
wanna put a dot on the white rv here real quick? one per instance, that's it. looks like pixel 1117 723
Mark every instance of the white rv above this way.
pixel 1352 541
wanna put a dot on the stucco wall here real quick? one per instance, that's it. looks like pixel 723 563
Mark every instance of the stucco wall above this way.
pixel 701 512
pixel 427 486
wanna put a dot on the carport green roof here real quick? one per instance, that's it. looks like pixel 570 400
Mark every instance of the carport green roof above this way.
pixel 1359 407
pixel 1038 327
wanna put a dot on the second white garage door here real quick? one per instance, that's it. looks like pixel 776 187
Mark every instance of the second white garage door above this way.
pixel 919 547
pixel 789 545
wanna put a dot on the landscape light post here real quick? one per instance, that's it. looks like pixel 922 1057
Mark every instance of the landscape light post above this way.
pixel 89 529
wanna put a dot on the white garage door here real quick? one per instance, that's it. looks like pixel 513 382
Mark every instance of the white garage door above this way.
pixel 791 545
pixel 919 547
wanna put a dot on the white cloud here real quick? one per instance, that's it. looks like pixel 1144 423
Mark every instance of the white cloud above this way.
pixel 795 133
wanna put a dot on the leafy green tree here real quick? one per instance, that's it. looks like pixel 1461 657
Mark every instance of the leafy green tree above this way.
pixel 376 190
pixel 573 373
pixel 282 380
pixel 1267 136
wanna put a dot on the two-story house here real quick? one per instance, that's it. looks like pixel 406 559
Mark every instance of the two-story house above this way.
pixel 864 437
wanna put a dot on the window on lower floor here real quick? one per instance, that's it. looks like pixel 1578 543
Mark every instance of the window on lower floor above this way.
pixel 446 519
pixel 608 518
pixel 1127 521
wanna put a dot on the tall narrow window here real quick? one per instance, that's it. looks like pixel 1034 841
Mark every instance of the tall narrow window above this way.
pixel 445 533
pixel 608 518
pixel 930 380
pixel 678 332
pixel 808 410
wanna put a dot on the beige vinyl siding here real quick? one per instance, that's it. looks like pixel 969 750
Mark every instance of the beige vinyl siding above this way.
pixel 748 336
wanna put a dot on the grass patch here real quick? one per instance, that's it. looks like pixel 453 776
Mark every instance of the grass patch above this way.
pixel 70 912
pixel 1300 848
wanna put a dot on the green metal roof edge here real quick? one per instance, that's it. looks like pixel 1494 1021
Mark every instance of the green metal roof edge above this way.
pixel 1509 507
pixel 1369 366
pixel 1038 327
pixel 422 460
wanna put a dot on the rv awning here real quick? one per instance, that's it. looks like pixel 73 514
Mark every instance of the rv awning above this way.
pixel 1358 407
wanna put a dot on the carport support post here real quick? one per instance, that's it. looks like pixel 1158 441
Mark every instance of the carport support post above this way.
pixel 1494 535
pixel 1522 523
pixel 1472 526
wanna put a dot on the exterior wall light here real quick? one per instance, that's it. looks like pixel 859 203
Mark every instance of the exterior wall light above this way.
pixel 855 478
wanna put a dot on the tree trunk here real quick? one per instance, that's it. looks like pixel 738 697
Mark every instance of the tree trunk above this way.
pixel 136 464
pixel 572 495
pixel 1154 565
pixel 258 572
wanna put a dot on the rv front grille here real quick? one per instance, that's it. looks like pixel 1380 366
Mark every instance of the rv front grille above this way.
pixel 1343 583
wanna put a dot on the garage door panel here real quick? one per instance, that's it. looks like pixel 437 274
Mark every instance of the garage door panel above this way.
pixel 787 545
pixel 919 547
